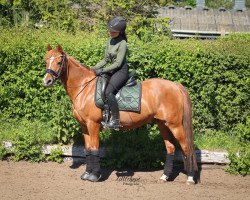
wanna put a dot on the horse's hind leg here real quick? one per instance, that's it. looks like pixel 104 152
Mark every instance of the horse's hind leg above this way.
pixel 179 134
pixel 169 143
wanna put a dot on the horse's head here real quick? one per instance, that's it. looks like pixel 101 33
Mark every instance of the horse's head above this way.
pixel 55 62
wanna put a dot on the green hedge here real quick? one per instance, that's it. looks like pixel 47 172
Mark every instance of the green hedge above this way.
pixel 216 74
pixel 22 69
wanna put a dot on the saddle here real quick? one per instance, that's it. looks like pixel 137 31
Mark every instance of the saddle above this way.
pixel 128 97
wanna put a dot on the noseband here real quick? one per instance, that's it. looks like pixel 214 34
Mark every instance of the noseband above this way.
pixel 56 75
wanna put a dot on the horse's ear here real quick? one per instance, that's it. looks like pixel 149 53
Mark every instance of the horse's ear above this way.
pixel 59 48
pixel 49 47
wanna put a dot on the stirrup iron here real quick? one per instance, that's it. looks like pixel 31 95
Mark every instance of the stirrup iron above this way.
pixel 113 124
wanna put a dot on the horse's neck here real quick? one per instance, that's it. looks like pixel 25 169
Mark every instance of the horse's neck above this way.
pixel 75 77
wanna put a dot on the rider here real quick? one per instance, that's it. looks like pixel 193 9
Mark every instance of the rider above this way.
pixel 115 65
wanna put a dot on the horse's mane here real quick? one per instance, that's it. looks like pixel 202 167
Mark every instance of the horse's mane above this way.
pixel 79 64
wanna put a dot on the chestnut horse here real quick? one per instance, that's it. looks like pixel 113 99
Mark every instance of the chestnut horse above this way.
pixel 163 102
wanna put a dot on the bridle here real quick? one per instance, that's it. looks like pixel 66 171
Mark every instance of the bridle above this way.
pixel 62 65
pixel 56 75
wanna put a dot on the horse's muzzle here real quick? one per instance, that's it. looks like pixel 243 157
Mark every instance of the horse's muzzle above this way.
pixel 48 82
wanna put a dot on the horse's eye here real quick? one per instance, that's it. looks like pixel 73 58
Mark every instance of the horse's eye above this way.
pixel 59 63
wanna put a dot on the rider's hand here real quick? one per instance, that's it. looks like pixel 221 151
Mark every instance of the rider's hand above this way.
pixel 98 72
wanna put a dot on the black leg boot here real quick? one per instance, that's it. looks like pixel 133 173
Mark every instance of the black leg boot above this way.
pixel 86 174
pixel 96 168
pixel 168 167
pixel 114 123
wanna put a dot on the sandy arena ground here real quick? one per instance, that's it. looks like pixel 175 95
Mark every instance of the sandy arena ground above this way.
pixel 25 180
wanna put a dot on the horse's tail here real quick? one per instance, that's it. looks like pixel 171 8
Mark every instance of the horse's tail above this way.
pixel 190 162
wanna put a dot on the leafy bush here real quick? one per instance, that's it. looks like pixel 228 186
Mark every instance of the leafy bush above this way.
pixel 3 152
pixel 240 162
pixel 220 3
pixel 28 147
pixel 55 155
pixel 148 28
pixel 27 138
pixel 240 157
pixel 70 15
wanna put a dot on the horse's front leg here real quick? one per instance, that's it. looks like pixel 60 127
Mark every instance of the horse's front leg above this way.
pixel 91 138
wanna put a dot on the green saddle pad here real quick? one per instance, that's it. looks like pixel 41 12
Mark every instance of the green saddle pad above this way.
pixel 128 98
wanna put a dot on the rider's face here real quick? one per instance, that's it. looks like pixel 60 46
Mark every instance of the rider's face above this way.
pixel 113 34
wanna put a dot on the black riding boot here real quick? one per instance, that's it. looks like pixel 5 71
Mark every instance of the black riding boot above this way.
pixel 113 105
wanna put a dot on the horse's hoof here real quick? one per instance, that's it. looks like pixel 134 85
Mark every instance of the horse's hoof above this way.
pixel 190 181
pixel 85 176
pixel 94 178
pixel 164 178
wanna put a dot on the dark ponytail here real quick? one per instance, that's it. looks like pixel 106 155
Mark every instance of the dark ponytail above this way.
pixel 124 35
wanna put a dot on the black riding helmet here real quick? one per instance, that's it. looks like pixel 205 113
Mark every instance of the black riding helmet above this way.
pixel 117 24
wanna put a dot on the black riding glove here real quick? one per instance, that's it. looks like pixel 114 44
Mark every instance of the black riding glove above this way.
pixel 98 72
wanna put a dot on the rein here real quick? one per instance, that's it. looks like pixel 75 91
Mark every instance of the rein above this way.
pixel 84 86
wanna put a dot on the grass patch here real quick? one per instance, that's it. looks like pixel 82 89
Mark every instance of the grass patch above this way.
pixel 13 129
pixel 27 138
pixel 215 140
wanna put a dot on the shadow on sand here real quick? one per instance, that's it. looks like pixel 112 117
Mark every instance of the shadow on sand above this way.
pixel 177 170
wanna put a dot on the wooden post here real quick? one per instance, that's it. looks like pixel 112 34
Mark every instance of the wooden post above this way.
pixel 240 5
